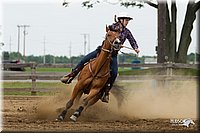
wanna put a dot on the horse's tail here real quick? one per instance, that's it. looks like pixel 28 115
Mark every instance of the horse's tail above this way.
pixel 120 94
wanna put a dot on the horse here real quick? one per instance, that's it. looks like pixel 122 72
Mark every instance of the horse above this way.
pixel 93 77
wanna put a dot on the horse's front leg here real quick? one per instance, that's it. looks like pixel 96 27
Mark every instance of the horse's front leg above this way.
pixel 61 116
pixel 69 104
pixel 92 94
pixel 76 102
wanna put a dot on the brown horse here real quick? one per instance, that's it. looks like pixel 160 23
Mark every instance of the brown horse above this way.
pixel 93 77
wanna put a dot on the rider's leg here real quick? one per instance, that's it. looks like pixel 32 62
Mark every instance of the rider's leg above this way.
pixel 111 80
pixel 69 77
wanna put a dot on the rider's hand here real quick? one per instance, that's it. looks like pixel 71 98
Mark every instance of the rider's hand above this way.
pixel 137 50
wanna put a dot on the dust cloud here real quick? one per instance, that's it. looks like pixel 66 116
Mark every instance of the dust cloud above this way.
pixel 174 99
pixel 146 100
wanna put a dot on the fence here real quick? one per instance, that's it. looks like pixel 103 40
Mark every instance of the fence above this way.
pixel 168 67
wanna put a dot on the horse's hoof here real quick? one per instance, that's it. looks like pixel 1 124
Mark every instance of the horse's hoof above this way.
pixel 73 118
pixel 60 118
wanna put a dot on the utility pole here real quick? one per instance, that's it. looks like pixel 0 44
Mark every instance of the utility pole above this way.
pixel 70 49
pixel 44 43
pixel 1 43
pixel 54 59
pixel 85 42
pixel 18 26
pixel 24 39
pixel 70 52
pixel 25 33
pixel 88 43
pixel 10 43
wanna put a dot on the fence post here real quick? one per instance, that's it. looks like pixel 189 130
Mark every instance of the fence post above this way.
pixel 33 78
pixel 169 69
pixel 169 73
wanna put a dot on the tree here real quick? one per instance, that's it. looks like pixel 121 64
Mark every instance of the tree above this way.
pixel 14 55
pixel 6 56
pixel 185 39
pixel 179 56
pixel 168 47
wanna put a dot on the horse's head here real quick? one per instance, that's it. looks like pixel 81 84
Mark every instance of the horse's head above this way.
pixel 113 37
pixel 118 27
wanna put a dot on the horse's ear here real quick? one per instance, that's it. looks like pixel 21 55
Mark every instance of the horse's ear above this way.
pixel 107 29
pixel 115 18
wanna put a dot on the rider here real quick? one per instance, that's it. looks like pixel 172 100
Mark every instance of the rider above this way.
pixel 123 18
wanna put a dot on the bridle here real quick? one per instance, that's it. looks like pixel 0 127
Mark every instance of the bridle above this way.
pixel 111 43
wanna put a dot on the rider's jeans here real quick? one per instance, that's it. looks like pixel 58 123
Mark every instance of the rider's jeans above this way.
pixel 113 65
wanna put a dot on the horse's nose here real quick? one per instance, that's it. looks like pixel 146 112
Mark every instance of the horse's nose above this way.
pixel 117 40
pixel 117 43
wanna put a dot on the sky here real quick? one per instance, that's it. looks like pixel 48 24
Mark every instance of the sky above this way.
pixel 62 28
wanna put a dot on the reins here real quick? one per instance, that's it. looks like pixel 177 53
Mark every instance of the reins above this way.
pixel 136 55
pixel 109 57
pixel 106 50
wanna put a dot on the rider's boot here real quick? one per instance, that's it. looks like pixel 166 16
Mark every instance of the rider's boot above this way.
pixel 105 96
pixel 67 79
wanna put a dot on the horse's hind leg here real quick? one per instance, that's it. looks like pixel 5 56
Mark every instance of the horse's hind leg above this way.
pixel 69 103
pixel 91 95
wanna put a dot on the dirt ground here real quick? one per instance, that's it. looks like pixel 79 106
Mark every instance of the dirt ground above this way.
pixel 38 113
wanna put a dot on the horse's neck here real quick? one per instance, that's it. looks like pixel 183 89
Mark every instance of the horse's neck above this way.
pixel 103 56
pixel 106 45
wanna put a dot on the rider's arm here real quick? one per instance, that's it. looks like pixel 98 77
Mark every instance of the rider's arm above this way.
pixel 131 40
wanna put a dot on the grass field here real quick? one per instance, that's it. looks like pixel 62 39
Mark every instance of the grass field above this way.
pixel 29 85
pixel 13 88
pixel 128 71
pixel 50 70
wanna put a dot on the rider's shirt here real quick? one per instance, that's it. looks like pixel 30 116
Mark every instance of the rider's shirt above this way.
pixel 125 34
